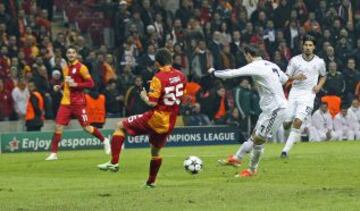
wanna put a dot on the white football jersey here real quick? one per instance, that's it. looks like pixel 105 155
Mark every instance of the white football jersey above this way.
pixel 355 112
pixel 347 122
pixel 311 69
pixel 322 121
pixel 269 79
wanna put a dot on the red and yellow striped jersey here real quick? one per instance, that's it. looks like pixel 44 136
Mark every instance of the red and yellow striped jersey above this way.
pixel 166 88
pixel 80 74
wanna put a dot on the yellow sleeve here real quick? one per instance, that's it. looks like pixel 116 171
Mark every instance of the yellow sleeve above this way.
pixel 65 71
pixel 155 89
pixel 84 72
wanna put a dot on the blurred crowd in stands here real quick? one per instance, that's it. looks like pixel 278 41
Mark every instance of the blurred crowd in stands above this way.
pixel 117 40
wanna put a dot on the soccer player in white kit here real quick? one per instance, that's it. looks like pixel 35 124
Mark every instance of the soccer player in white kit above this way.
pixel 355 110
pixel 304 89
pixel 322 125
pixel 345 125
pixel 273 104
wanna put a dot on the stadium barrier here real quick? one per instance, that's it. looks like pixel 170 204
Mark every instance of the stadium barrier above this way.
pixel 79 140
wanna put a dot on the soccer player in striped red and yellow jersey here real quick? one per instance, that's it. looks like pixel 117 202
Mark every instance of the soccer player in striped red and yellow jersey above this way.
pixel 166 91
pixel 73 103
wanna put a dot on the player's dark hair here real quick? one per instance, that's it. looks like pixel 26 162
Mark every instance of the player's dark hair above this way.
pixel 310 38
pixel 72 47
pixel 253 50
pixel 163 57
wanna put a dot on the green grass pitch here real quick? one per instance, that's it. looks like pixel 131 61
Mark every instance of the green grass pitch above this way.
pixel 317 176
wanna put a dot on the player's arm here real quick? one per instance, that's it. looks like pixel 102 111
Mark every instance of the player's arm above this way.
pixel 88 81
pixel 322 78
pixel 299 77
pixel 283 77
pixel 231 73
pixel 290 72
pixel 154 94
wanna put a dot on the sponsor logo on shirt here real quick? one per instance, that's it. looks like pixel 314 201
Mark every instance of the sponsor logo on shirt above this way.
pixel 174 79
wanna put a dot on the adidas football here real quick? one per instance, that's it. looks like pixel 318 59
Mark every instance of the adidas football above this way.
pixel 193 164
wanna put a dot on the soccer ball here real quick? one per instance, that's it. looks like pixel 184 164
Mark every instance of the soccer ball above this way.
pixel 193 164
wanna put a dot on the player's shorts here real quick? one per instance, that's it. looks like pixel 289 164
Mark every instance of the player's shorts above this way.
pixel 269 122
pixel 65 113
pixel 299 108
pixel 138 125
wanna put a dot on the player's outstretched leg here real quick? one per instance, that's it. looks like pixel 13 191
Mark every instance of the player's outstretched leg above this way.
pixel 294 137
pixel 116 145
pixel 235 160
pixel 96 132
pixel 155 164
pixel 256 152
pixel 55 142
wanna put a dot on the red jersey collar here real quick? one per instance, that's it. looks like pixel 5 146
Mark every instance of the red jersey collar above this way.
pixel 166 68
pixel 74 62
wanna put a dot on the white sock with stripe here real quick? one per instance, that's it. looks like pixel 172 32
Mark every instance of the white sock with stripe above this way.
pixel 255 156
pixel 245 148
pixel 293 138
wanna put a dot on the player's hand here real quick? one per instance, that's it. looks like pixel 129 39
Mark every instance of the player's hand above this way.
pixel 56 88
pixel 72 84
pixel 143 94
pixel 316 89
pixel 300 77
pixel 211 70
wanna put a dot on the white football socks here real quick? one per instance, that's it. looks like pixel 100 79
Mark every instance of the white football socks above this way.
pixel 287 133
pixel 293 138
pixel 255 156
pixel 245 148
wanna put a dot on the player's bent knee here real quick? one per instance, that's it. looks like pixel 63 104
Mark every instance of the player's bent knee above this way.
pixel 59 129
pixel 297 123
pixel 120 125
pixel 119 132
pixel 89 128
pixel 258 140
pixel 155 151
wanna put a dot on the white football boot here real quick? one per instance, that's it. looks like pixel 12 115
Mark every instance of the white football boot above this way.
pixel 52 156
pixel 109 166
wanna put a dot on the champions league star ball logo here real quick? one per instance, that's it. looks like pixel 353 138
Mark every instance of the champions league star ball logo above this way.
pixel 14 145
